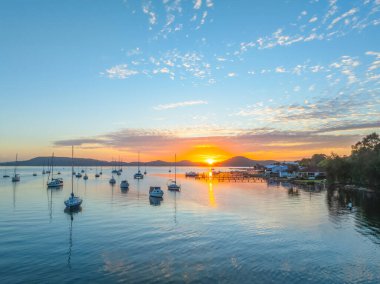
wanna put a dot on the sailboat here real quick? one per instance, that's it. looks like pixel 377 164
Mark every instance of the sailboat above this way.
pixel 54 182
pixel 101 171
pixel 138 175
pixel 85 177
pixel 73 202
pixel 96 172
pixel 16 176
pixel 145 170
pixel 112 180
pixel 173 184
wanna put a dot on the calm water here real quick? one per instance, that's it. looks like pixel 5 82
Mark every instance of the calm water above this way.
pixel 208 232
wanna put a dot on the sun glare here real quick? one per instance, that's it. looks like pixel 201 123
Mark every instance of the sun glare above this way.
pixel 210 161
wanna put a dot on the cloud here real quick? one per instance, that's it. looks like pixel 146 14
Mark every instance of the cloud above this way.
pixel 313 19
pixel 345 15
pixel 162 142
pixel 280 69
pixel 120 71
pixel 180 104
pixel 197 4
pixel 231 74
pixel 147 9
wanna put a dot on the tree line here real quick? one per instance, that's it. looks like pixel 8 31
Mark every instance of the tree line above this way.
pixel 362 167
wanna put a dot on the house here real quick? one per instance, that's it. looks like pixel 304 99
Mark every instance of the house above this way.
pixel 311 174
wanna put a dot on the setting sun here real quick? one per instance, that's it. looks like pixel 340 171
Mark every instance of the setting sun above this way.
pixel 210 161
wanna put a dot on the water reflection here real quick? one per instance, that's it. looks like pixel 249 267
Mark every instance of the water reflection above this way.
pixel 155 201
pixel 211 196
pixel 71 213
pixel 49 193
pixel 14 185
pixel 366 210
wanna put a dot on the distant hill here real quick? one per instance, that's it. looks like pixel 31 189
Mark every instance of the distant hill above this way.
pixel 238 161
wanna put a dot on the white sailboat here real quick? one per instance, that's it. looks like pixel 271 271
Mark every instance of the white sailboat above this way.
pixel 173 183
pixel 54 182
pixel 73 201
pixel 16 176
pixel 138 175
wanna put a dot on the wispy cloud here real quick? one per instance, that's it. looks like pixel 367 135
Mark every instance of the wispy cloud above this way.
pixel 120 71
pixel 180 104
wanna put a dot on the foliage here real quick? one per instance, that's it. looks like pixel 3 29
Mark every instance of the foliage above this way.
pixel 361 168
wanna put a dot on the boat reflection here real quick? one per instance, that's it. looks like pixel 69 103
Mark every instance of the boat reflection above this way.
pixel 71 212
pixel 50 199
pixel 155 201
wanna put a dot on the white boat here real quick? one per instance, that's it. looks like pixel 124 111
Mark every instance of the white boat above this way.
pixel 54 182
pixel 73 201
pixel 173 183
pixel 112 180
pixel 124 184
pixel 138 175
pixel 16 176
pixel 155 191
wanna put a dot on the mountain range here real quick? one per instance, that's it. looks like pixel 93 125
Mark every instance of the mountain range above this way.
pixel 237 161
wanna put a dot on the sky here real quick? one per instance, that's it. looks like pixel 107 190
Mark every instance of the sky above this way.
pixel 204 79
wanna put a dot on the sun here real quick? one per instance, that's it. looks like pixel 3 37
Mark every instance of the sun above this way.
pixel 210 161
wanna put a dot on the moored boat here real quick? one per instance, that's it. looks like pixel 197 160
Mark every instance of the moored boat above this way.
pixel 155 191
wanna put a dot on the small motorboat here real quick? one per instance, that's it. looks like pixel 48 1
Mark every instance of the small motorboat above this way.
pixel 124 184
pixel 155 191
pixel 78 175
pixel 85 177
pixel 34 174
pixel 97 175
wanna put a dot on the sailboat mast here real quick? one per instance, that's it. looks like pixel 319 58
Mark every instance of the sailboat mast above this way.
pixel 175 168
pixel 16 164
pixel 52 166
pixel 138 161
pixel 72 169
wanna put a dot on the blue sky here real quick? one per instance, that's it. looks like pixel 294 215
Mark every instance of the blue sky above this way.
pixel 260 78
